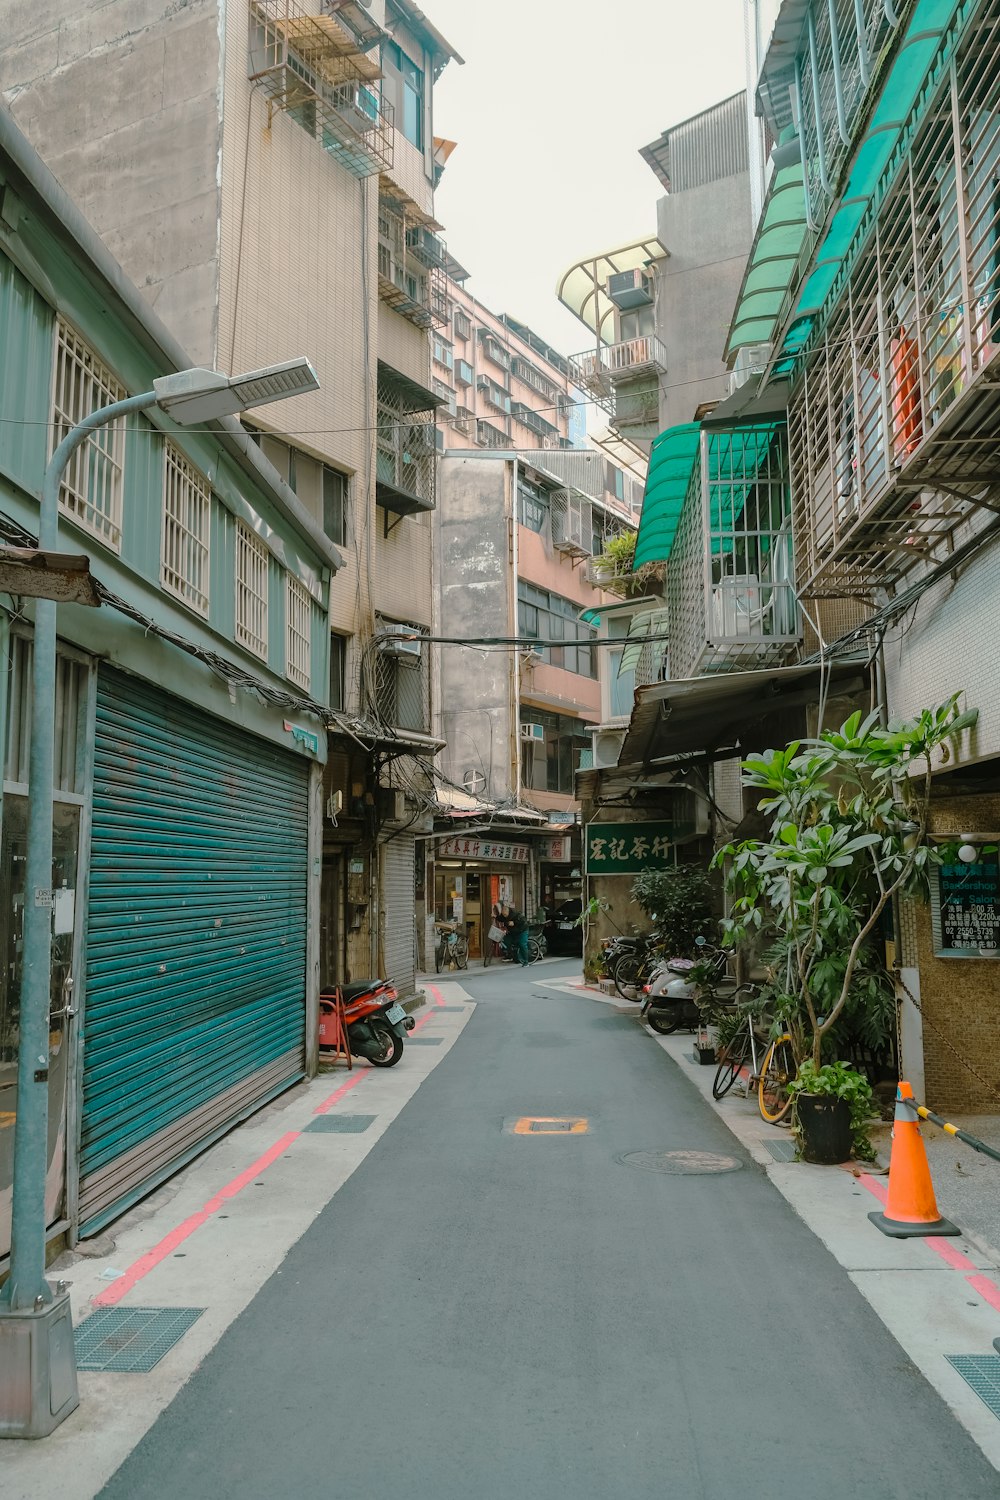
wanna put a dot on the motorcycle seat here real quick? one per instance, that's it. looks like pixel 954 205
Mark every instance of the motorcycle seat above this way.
pixel 355 988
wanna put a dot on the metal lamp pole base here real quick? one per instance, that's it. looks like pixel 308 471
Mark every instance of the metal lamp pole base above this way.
pixel 37 1369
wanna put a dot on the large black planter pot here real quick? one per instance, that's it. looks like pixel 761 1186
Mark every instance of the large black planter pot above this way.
pixel 825 1123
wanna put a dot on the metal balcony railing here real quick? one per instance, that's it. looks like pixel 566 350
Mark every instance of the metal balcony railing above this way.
pixel 601 371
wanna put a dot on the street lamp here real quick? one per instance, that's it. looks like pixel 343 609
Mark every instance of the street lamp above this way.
pixel 38 1387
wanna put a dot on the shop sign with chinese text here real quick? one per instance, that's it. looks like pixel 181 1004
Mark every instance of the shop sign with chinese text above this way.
pixel 966 910
pixel 515 854
pixel 629 848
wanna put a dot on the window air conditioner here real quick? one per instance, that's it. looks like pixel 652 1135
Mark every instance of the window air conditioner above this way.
pixel 398 640
pixel 532 732
pixel 628 289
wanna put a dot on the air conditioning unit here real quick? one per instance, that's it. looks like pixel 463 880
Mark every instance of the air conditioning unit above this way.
pixel 532 732
pixel 607 748
pixel 551 442
pixel 738 608
pixel 629 289
pixel 399 640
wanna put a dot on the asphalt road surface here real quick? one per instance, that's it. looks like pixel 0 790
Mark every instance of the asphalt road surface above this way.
pixel 486 1315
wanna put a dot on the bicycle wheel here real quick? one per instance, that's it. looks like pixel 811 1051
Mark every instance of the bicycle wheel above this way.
pixel 535 950
pixel 628 974
pixel 730 1068
pixel 461 952
pixel 777 1071
pixel 438 957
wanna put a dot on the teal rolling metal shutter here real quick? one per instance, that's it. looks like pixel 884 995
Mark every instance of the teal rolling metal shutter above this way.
pixel 196 938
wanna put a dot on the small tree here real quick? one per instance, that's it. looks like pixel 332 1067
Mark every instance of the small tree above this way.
pixel 848 822
pixel 679 902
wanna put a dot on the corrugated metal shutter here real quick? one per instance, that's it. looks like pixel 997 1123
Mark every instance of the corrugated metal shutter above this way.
pixel 196 938
pixel 399 908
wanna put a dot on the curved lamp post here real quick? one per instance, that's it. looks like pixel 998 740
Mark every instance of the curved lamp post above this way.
pixel 37 1363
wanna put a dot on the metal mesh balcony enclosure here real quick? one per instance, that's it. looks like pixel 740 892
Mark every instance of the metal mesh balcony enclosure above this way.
pixel 730 589
pixel 405 448
pixel 893 421
pixel 399 684
pixel 313 68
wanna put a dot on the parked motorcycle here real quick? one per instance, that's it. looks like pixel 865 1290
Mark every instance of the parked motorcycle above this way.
pixel 376 1023
pixel 674 998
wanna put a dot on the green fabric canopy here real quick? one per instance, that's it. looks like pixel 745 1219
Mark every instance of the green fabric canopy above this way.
pixel 773 259
pixel 903 84
pixel 671 460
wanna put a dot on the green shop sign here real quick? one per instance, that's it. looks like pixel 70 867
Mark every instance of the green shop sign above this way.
pixel 630 848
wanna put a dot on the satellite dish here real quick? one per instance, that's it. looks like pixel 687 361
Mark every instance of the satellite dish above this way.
pixel 474 782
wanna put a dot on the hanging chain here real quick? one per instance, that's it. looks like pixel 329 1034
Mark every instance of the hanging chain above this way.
pixel 901 982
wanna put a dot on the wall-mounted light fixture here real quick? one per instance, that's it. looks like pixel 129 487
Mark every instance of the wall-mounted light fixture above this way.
pixel 968 852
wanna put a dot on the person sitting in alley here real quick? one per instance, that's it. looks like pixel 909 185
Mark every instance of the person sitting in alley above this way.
pixel 517 934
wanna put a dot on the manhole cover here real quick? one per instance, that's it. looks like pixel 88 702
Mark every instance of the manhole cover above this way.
pixel 681 1163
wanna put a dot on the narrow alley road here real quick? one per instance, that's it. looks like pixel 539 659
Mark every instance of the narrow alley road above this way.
pixel 486 1315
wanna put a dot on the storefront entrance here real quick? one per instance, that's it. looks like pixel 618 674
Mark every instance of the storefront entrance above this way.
pixel 466 891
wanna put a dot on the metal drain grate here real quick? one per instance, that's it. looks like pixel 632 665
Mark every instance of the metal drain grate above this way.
pixel 424 1041
pixel 781 1150
pixel 982 1373
pixel 131 1340
pixel 340 1124
pixel 545 1127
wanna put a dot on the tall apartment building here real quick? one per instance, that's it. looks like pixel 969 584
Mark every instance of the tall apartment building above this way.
pixel 264 170
pixel 500 384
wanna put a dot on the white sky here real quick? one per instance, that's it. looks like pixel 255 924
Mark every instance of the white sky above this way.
pixel 549 112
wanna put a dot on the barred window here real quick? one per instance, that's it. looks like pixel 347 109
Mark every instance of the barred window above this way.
pixel 91 487
pixel 298 643
pixel 252 567
pixel 187 507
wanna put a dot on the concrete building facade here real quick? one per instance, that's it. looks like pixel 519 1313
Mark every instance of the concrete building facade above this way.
pixel 265 170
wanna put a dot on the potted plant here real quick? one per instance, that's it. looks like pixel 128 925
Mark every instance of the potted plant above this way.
pixel 830 1113
pixel 847 815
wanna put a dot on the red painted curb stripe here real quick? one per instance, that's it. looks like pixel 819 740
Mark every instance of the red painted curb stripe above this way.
pixel 177 1236
pixel 438 997
pixel 339 1093
pixel 987 1289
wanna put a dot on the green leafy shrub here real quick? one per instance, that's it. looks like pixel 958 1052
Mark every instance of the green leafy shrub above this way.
pixel 679 902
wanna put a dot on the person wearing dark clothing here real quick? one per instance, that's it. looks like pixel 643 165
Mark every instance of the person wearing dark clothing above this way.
pixel 517 934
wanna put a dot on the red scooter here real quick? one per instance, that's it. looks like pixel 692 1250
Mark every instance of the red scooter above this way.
pixel 376 1022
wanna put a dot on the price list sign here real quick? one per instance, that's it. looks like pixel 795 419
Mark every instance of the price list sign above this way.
pixel 967 910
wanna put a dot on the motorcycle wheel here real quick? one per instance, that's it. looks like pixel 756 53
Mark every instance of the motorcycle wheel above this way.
pixel 664 1022
pixel 392 1045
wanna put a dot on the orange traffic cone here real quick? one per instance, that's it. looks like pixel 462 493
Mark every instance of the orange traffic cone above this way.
pixel 910 1208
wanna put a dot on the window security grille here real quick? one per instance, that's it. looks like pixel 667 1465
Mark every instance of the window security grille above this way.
pixel 187 505
pixel 298 613
pixel 91 488
pixel 252 564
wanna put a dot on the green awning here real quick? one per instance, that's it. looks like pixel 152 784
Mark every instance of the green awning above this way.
pixel 651 625
pixel 671 459
pixel 903 84
pixel 774 257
